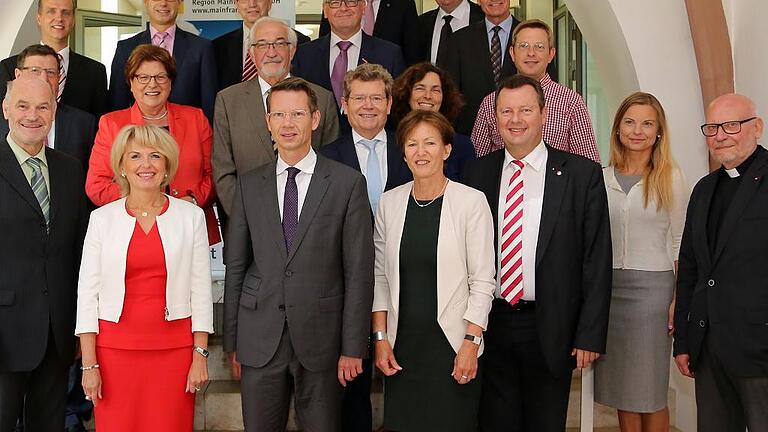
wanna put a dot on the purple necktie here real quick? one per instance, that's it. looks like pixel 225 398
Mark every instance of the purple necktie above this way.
pixel 290 208
pixel 339 70
pixel 369 19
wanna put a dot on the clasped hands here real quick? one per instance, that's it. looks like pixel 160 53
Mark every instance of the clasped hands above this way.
pixel 464 365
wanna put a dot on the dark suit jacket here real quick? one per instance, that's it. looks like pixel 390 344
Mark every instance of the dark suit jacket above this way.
pixel 86 86
pixel 343 150
pixel 724 296
pixel 75 132
pixel 38 270
pixel 228 49
pixel 468 61
pixel 427 26
pixel 573 252
pixel 312 59
pixel 322 288
pixel 195 82
pixel 396 21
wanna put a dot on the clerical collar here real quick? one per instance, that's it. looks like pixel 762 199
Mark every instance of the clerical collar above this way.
pixel 743 167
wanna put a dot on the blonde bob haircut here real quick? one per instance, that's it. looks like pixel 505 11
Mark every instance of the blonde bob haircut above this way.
pixel 152 137
pixel 657 179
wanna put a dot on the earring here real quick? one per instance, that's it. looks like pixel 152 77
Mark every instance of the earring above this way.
pixel 658 136
pixel 166 175
pixel 122 174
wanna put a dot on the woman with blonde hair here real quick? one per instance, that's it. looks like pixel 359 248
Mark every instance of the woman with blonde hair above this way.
pixel 144 308
pixel 647 197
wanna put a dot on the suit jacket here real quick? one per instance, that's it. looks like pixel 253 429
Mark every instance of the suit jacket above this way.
pixel 241 140
pixel 723 295
pixel 195 82
pixel 312 59
pixel 229 56
pixel 427 27
pixel 343 150
pixel 75 131
pixel 86 86
pixel 189 128
pixel 322 288
pixel 396 21
pixel 468 61
pixel 465 264
pixel 573 253
pixel 38 269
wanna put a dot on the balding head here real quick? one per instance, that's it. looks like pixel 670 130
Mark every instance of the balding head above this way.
pixel 737 129
pixel 29 106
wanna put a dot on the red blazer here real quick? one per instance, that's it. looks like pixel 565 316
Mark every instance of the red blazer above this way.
pixel 192 132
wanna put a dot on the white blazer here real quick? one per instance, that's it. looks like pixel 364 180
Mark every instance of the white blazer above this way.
pixel 465 260
pixel 101 286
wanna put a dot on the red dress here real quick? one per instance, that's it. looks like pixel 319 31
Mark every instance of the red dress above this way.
pixel 144 360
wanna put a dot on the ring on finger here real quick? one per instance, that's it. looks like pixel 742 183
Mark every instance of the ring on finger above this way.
pixel 465 377
pixel 87 398
pixel 197 388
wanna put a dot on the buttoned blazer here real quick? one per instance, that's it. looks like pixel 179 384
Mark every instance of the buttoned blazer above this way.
pixel 38 267
pixel 573 252
pixel 195 82
pixel 101 283
pixel 191 132
pixel 465 264
pixel 321 289
pixel 723 295
pixel 241 139
pixel 86 86
pixel 427 27
pixel 228 49
pixel 397 21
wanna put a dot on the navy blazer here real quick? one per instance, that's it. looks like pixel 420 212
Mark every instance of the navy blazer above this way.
pixel 462 151
pixel 343 150
pixel 195 82
pixel 312 59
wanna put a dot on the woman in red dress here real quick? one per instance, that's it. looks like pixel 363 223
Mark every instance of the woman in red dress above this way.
pixel 144 307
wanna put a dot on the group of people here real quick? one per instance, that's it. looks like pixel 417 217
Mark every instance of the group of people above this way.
pixel 414 193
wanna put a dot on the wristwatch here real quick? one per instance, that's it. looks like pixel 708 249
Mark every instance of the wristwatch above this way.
pixel 202 351
pixel 474 339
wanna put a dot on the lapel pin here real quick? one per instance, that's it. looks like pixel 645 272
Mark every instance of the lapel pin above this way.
pixel 757 178
pixel 559 173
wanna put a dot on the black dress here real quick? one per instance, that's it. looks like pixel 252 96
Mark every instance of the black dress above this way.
pixel 424 396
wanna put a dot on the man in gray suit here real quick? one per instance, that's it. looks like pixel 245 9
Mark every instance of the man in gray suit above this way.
pixel 299 283
pixel 241 140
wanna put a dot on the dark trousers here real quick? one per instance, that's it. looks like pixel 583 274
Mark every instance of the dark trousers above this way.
pixel 356 411
pixel 266 393
pixel 40 393
pixel 519 392
pixel 78 409
pixel 725 403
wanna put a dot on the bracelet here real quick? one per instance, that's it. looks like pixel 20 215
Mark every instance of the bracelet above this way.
pixel 379 336
pixel 87 368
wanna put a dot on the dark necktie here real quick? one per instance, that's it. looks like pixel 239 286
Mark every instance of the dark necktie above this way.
pixel 496 54
pixel 290 207
pixel 445 33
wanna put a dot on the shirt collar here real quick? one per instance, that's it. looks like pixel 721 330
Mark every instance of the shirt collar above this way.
pixel 356 39
pixel 506 25
pixel 170 30
pixel 546 80
pixel 381 136
pixel 535 159
pixel 306 165
pixel 460 12
pixel 743 167
pixel 265 87
pixel 22 155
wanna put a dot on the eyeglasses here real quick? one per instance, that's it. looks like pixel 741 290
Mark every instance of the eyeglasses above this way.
pixel 360 99
pixel 730 127
pixel 538 46
pixel 295 115
pixel 279 44
pixel 335 4
pixel 34 70
pixel 145 79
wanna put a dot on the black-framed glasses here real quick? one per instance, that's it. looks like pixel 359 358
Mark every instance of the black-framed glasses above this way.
pixel 145 79
pixel 730 127
pixel 278 45
pixel 335 4
pixel 34 70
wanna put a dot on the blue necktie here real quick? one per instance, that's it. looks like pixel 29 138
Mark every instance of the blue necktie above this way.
pixel 373 174
pixel 290 208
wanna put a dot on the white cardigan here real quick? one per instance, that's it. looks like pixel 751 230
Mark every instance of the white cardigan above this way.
pixel 466 262
pixel 101 286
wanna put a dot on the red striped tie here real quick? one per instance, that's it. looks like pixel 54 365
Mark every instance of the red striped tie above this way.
pixel 249 68
pixel 511 271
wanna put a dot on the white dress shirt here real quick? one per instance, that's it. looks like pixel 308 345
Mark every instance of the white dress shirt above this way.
pixel 353 52
pixel 460 20
pixel 504 34
pixel 534 173
pixel 381 151
pixel 246 42
pixel 52 135
pixel 644 238
pixel 306 167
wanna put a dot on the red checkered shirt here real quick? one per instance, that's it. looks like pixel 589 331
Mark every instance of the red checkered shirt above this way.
pixel 567 128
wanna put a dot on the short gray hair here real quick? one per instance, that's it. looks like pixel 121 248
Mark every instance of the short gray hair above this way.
pixel 292 38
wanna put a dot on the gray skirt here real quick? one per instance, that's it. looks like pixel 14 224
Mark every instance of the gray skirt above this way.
pixel 633 375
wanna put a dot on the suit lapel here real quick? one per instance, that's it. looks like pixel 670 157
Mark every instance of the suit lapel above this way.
pixel 483 61
pixel 269 203
pixel 257 116
pixel 395 163
pixel 323 62
pixel 54 174
pixel 347 153
pixel 318 186
pixel 74 77
pixel 494 186
pixel 176 126
pixel 180 47
pixel 11 171
pixel 699 225
pixel 62 139
pixel 555 181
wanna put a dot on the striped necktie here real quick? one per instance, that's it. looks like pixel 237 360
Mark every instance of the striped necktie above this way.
pixel 496 54
pixel 249 68
pixel 39 188
pixel 511 269
pixel 160 39
pixel 62 78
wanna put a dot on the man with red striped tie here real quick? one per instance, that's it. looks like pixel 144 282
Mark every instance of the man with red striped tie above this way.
pixel 553 267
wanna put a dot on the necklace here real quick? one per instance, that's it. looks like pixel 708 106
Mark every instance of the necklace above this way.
pixel 160 117
pixel 413 194
pixel 144 212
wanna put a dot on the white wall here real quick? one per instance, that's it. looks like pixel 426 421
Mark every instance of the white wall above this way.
pixel 749 38
pixel 12 18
